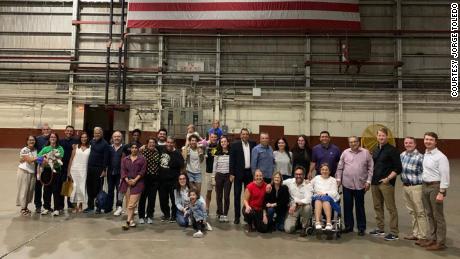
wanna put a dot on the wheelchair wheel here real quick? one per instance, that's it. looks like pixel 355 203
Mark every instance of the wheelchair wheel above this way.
pixel 309 231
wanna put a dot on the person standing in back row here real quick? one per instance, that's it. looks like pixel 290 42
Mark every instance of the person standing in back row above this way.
pixel 436 178
pixel 262 158
pixel 387 166
pixel 240 168
pixel 324 153
pixel 98 162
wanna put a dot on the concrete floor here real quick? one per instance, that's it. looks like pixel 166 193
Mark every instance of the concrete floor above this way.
pixel 100 236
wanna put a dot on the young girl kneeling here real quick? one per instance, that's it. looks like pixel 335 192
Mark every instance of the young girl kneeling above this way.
pixel 197 213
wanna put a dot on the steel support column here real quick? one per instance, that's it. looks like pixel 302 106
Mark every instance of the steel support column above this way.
pixel 399 73
pixel 217 99
pixel 161 54
pixel 74 54
pixel 306 128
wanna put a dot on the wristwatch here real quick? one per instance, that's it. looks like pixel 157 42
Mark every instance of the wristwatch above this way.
pixel 443 193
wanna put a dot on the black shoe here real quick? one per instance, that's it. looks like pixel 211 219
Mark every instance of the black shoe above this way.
pixel 347 230
pixel 377 232
pixel 172 220
pixel 236 221
pixel 391 237
pixel 164 218
pixel 98 211
pixel 361 232
pixel 303 232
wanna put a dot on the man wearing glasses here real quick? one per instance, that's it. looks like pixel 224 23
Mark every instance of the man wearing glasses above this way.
pixel 354 173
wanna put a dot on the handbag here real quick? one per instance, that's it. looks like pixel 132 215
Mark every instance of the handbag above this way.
pixel 102 198
pixel 67 188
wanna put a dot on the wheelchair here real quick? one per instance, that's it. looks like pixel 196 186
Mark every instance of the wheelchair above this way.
pixel 336 221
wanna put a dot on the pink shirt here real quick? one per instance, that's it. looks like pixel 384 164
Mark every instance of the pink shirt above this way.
pixel 355 168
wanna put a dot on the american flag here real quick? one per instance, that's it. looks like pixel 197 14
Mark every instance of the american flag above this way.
pixel 245 14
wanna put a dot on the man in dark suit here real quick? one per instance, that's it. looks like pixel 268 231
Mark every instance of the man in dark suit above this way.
pixel 240 168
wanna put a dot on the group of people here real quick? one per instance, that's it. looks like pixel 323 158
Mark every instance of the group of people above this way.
pixel 281 191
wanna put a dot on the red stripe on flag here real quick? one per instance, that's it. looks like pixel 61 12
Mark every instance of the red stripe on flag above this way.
pixel 247 24
pixel 243 6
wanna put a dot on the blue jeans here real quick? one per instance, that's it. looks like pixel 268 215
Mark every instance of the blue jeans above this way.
pixel 275 223
pixel 181 220
pixel 194 177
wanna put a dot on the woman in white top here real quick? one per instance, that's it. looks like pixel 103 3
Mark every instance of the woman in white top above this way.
pixel 77 172
pixel 325 196
pixel 222 175
pixel 283 158
pixel 26 175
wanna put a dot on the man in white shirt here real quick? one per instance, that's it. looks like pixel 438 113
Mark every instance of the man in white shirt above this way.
pixel 435 178
pixel 300 206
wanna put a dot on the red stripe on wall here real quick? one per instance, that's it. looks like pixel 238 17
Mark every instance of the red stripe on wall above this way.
pixel 238 24
pixel 243 6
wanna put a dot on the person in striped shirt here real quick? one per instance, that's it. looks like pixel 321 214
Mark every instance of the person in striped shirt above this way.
pixel 411 177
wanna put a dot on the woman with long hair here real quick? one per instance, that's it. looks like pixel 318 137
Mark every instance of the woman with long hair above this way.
pixel 283 158
pixel 78 166
pixel 222 174
pixel 301 153
pixel 26 175
pixel 182 199
pixel 277 203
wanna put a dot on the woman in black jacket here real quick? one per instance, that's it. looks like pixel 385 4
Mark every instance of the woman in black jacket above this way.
pixel 301 153
pixel 277 202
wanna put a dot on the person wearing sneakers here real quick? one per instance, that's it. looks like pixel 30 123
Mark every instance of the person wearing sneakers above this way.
pixel 223 183
pixel 325 197
pixel 151 180
pixel 49 179
pixel 387 166
pixel 133 169
pixel 436 177
pixel 411 178
pixel 300 201
pixel 197 212
pixel 211 150
pixel 113 172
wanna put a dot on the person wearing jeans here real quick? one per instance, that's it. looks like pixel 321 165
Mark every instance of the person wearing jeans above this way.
pixel 223 183
pixel 277 203
pixel 354 173
pixel 113 172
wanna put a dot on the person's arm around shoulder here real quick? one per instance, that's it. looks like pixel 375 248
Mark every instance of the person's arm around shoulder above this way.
pixel 74 150
pixel 370 170
pixel 254 158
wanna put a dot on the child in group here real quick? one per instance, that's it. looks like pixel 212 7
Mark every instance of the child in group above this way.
pixel 325 196
pixel 197 211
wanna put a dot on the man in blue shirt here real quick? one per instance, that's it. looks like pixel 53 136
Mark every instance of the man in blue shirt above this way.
pixel 215 129
pixel 262 157
pixel 325 152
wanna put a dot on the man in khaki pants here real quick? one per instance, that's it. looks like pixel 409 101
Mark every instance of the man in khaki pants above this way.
pixel 411 177
pixel 435 183
pixel 387 165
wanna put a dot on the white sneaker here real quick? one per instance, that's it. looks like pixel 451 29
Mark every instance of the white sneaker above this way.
pixel 55 213
pixel 318 226
pixel 328 227
pixel 45 212
pixel 225 219
pixel 208 226
pixel 132 224
pixel 136 212
pixel 198 234
pixel 149 221
pixel 118 211
pixel 221 218
pixel 141 221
